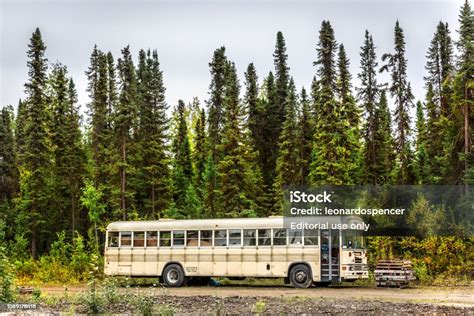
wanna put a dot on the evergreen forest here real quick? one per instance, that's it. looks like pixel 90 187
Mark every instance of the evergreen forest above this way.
pixel 65 173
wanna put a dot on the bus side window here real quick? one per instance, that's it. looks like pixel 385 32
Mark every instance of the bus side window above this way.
pixel 151 239
pixel 295 237
pixel 311 237
pixel 113 239
pixel 165 238
pixel 178 238
pixel 192 238
pixel 249 237
pixel 220 238
pixel 125 239
pixel 235 237
pixel 279 237
pixel 264 237
pixel 139 239
pixel 206 238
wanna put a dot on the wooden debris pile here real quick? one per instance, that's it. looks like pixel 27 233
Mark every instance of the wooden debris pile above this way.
pixel 393 273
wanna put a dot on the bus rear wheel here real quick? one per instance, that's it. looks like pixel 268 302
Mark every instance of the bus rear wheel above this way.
pixel 173 276
pixel 300 276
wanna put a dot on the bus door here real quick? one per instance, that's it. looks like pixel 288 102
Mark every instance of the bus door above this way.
pixel 330 244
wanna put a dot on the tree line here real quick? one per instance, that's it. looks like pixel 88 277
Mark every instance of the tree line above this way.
pixel 231 155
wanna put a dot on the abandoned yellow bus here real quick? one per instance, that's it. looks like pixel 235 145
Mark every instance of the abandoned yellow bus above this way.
pixel 177 251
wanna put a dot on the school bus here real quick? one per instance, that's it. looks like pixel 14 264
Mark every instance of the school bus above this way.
pixel 178 251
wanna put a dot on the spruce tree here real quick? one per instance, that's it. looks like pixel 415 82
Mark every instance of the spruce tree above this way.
pixel 68 153
pixel 182 163
pixel 20 126
pixel 256 113
pixel 268 151
pixel 210 190
pixel 9 175
pixel 124 118
pixel 349 112
pixel 383 144
pixel 37 148
pixel 152 174
pixel 463 83
pixel 439 66
pixel 199 156
pixel 289 157
pixel 282 78
pixel 433 146
pixel 332 162
pixel 216 99
pixel 215 126
pixel 305 137
pixel 400 90
pixel 100 114
pixel 422 163
pixel 315 102
pixel 368 94
pixel 234 169
pixel 111 89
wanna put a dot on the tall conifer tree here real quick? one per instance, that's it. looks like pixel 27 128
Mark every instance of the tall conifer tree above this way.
pixel 216 99
pixel 103 100
pixel 152 161
pixel 383 150
pixel 200 151
pixel 368 94
pixel 9 175
pixel 288 170
pixel 349 112
pixel 422 163
pixel 439 65
pixel 37 146
pixel 400 90
pixel 464 87
pixel 234 169
pixel 68 152
pixel 331 161
pixel 124 117
pixel 305 137
pixel 282 78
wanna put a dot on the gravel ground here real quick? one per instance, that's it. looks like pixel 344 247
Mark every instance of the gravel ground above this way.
pixel 213 305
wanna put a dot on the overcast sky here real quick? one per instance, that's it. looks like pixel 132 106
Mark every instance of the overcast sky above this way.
pixel 186 33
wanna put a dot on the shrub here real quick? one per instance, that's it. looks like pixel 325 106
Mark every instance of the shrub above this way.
pixel 93 301
pixel 260 307
pixel 164 310
pixel 6 278
pixel 144 303
pixel 110 291
pixel 421 272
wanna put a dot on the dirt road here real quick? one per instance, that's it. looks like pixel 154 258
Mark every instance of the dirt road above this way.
pixel 259 299
pixel 456 296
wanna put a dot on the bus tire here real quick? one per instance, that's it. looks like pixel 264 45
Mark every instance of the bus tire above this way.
pixel 300 276
pixel 173 276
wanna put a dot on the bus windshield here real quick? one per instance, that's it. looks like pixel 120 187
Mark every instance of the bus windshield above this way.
pixel 353 239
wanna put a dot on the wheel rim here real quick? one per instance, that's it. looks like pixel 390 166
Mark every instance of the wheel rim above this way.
pixel 301 276
pixel 172 276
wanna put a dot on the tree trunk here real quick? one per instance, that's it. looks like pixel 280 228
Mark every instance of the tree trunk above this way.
pixel 73 211
pixel 467 143
pixel 153 201
pixel 34 251
pixel 122 180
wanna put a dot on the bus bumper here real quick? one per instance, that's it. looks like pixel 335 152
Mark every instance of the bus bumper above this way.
pixel 354 271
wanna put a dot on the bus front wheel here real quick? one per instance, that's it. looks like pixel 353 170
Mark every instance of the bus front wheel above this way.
pixel 173 275
pixel 300 276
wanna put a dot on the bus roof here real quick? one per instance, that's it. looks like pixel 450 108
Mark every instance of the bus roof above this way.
pixel 221 223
